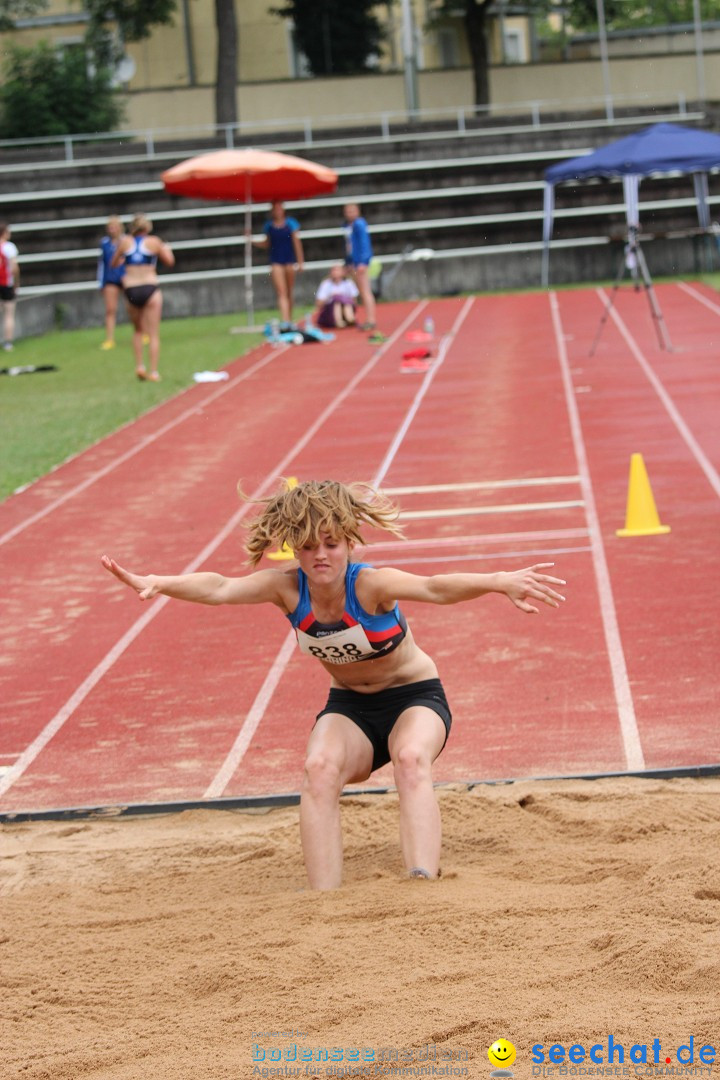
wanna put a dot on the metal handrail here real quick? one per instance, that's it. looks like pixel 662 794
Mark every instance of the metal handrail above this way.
pixel 230 133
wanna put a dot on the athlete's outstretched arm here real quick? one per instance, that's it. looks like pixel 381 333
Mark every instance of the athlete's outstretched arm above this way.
pixel 264 586
pixel 522 587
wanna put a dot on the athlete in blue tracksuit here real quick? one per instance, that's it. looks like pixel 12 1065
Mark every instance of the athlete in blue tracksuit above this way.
pixel 358 253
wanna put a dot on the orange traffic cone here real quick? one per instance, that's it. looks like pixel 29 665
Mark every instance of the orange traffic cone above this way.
pixel 285 552
pixel 641 516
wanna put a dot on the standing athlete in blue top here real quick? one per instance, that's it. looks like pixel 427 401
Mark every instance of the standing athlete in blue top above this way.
pixel 386 701
pixel 286 258
pixel 110 277
pixel 138 255
pixel 358 253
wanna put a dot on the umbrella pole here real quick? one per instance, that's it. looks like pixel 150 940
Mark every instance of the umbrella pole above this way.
pixel 248 262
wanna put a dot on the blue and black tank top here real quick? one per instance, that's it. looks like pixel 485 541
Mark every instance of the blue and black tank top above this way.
pixel 357 636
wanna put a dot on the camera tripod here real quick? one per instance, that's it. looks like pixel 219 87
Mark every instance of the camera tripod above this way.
pixel 633 261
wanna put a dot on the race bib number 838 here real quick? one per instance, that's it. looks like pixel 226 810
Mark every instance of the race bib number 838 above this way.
pixel 340 647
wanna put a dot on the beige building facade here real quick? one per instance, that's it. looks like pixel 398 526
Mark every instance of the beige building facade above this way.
pixel 184 53
pixel 170 77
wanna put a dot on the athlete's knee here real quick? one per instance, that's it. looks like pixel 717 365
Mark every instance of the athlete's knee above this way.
pixel 412 765
pixel 323 774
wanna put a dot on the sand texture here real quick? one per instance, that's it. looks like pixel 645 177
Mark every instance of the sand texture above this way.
pixel 167 947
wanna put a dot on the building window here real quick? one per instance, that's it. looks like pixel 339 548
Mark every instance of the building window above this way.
pixel 447 47
pixel 515 51
pixel 299 66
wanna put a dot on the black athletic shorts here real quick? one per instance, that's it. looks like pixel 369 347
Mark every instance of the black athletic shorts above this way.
pixel 7 292
pixel 376 714
pixel 138 295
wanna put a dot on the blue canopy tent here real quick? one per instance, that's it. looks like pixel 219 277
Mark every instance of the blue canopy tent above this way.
pixel 660 148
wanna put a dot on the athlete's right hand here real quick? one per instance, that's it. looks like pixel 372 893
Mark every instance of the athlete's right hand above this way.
pixel 146 586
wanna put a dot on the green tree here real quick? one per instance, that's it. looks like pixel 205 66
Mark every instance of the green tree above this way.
pixel 579 15
pixel 475 15
pixel 71 90
pixel 50 92
pixel 113 23
pixel 337 38
pixel 10 10
pixel 632 14
pixel 134 19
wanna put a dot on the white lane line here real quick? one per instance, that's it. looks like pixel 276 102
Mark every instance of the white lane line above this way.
pixel 479 556
pixel 424 387
pixel 508 508
pixel 137 447
pixel 613 642
pixel 259 706
pixel 483 485
pixel 101 669
pixel 699 296
pixel 479 538
pixel 250 724
pixel 673 412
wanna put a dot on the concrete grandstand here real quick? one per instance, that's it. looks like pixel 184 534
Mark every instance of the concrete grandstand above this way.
pixel 475 197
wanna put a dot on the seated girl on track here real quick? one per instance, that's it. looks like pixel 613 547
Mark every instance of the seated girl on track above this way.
pixel 386 702
pixel 335 300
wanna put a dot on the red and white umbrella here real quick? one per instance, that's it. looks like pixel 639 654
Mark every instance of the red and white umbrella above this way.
pixel 248 176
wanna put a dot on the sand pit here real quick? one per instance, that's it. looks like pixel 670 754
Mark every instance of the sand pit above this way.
pixel 182 947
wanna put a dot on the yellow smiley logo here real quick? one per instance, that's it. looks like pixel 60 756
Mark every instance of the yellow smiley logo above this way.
pixel 501 1052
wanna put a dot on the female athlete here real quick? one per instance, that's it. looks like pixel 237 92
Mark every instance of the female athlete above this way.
pixel 386 700
pixel 138 254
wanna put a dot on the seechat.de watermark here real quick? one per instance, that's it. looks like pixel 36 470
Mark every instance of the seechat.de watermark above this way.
pixel 292 1059
pixel 612 1058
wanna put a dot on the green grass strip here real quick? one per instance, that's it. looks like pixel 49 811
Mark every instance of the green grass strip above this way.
pixel 47 417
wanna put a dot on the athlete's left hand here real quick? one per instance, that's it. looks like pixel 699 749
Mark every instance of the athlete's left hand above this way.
pixel 522 586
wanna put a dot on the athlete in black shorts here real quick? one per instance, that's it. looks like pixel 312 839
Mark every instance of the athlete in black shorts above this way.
pixel 386 700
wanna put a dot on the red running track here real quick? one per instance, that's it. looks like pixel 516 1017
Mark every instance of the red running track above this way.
pixel 513 448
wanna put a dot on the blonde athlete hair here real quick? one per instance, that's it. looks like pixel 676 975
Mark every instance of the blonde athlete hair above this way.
pixel 140 223
pixel 297 516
